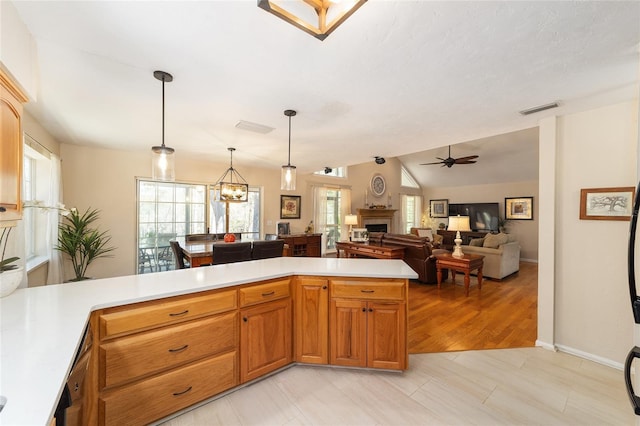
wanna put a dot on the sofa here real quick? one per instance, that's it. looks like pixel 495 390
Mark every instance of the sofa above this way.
pixel 501 254
pixel 418 253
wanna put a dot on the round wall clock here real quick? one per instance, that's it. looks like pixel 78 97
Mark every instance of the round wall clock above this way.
pixel 378 185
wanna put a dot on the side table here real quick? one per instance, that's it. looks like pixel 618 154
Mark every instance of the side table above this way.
pixel 466 264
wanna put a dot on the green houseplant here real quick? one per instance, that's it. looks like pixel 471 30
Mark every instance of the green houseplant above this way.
pixel 10 273
pixel 82 242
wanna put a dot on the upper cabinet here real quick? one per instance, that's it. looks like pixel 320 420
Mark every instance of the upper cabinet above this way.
pixel 11 100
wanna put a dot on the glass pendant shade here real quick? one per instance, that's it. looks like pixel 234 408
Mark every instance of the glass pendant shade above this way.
pixel 288 178
pixel 163 165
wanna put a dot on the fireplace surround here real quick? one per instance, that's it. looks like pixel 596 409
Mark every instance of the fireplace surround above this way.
pixel 368 218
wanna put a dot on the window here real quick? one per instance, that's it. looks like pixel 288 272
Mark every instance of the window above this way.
pixel 411 211
pixel 330 207
pixel 167 210
pixel 36 175
pixel 406 179
pixel 336 172
pixel 244 218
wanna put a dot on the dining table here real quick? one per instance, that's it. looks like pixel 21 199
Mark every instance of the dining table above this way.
pixel 198 253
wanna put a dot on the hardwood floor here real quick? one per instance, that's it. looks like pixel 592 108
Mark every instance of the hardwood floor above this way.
pixel 501 315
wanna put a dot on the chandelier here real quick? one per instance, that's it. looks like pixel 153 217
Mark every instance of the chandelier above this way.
pixel 316 17
pixel 230 191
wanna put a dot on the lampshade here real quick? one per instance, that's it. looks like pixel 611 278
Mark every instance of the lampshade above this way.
pixel 230 191
pixel 163 157
pixel 459 223
pixel 316 17
pixel 351 219
pixel 288 176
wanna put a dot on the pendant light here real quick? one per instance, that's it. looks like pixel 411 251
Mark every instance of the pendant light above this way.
pixel 288 178
pixel 163 157
pixel 230 191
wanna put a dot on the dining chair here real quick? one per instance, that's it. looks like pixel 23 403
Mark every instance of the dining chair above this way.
pixel 267 249
pixel 178 254
pixel 231 252
pixel 270 237
pixel 199 237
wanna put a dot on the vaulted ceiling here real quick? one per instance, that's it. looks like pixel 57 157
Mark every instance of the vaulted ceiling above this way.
pixel 398 78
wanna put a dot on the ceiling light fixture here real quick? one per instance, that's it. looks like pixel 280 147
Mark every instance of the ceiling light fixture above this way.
pixel 288 178
pixel 379 160
pixel 316 17
pixel 163 157
pixel 230 191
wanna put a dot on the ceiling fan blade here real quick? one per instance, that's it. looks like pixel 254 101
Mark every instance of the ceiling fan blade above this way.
pixel 471 157
pixel 428 164
pixel 465 162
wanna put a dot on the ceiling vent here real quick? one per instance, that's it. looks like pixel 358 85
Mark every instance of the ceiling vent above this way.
pixel 253 127
pixel 539 108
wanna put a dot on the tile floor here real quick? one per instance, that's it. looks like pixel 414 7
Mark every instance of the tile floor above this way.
pixel 528 386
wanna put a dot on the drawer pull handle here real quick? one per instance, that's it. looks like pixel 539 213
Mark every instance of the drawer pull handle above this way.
pixel 270 293
pixel 186 311
pixel 367 291
pixel 183 392
pixel 180 349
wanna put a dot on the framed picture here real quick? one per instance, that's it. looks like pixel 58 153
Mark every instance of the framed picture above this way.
pixel 289 207
pixel 606 203
pixel 520 208
pixel 283 228
pixel 360 235
pixel 439 208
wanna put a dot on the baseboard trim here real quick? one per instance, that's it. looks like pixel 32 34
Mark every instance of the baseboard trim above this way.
pixel 591 357
pixel 547 346
pixel 529 260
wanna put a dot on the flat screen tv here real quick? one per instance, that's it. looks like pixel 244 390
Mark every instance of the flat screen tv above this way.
pixel 482 216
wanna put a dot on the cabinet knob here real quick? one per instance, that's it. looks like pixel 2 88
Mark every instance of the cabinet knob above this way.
pixel 364 309
pixel 245 319
pixel 370 310
pixel 324 287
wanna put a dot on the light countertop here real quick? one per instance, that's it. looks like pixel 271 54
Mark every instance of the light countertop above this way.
pixel 41 327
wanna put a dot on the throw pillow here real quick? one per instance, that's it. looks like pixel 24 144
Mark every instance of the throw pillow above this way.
pixel 425 233
pixel 476 242
pixel 495 240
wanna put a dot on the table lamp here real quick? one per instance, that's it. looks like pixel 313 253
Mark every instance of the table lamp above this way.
pixel 351 219
pixel 458 223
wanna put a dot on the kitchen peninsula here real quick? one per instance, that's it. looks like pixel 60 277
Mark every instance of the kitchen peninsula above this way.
pixel 43 328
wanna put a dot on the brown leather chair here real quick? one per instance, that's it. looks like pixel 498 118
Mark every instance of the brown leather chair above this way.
pixel 178 255
pixel 267 249
pixel 231 252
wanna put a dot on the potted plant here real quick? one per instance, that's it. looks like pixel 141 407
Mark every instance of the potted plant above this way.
pixel 10 273
pixel 82 242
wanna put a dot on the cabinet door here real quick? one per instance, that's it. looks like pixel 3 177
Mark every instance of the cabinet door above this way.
pixel 348 323
pixel 10 149
pixel 265 338
pixel 314 243
pixel 311 321
pixel 386 335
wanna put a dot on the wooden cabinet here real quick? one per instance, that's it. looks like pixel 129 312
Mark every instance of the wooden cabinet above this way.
pixel 368 323
pixel 156 358
pixel 11 100
pixel 311 320
pixel 265 338
pixel 309 245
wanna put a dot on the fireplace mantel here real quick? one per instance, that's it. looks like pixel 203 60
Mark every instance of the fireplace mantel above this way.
pixel 375 217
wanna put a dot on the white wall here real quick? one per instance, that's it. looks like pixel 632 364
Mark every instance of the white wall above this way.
pixel 595 149
pixel 526 231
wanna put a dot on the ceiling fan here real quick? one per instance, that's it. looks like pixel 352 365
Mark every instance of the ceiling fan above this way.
pixel 449 161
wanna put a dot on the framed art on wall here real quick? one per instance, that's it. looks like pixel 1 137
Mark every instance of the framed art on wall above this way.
pixel 439 208
pixel 606 203
pixel 520 208
pixel 290 207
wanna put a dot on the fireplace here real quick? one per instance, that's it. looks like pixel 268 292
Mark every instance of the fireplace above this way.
pixel 376 227
pixel 378 217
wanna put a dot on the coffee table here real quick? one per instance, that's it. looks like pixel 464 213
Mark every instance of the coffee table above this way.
pixel 351 249
pixel 466 264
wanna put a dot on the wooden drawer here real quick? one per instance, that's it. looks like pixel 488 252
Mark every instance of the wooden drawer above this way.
pixel 370 290
pixel 161 313
pixel 129 358
pixel 264 292
pixel 157 397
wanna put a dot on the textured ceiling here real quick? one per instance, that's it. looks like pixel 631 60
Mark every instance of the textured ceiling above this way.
pixel 397 78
